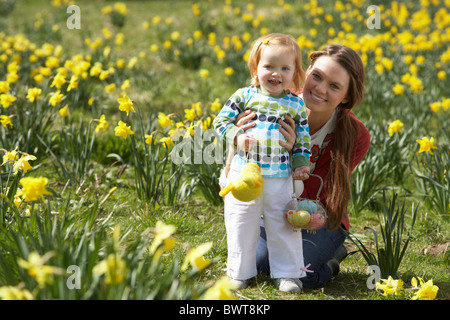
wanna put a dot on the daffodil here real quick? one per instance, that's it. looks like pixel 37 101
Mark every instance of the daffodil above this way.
pixel 114 267
pixel 34 188
pixel 63 112
pixel 221 290
pixel 204 73
pixel 35 265
pixel 149 139
pixel 390 286
pixel 5 120
pixel 6 100
pixel 229 71
pixel 190 114
pixel 58 81
pixel 4 86
pixel 15 293
pixel 195 258
pixel 162 236
pixel 163 119
pixel 395 126
pixel 435 106
pixel 215 105
pixel 123 130
pixel 398 89
pixel 10 156
pixel 426 145
pixel 426 290
pixel 166 141
pixel 56 98
pixel 101 124
pixel 73 83
pixel 23 163
pixel 33 94
pixel 125 104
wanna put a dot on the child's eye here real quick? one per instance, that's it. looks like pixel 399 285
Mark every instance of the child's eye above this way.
pixel 316 76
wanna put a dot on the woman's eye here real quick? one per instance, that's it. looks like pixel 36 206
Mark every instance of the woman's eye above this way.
pixel 316 76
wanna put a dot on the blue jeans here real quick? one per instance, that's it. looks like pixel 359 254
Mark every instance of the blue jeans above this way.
pixel 318 248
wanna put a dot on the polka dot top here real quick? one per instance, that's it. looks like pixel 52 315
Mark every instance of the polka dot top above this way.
pixel 271 157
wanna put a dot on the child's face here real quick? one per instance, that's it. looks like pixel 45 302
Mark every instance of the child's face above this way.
pixel 276 70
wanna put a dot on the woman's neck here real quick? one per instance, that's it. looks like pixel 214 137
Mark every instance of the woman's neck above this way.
pixel 316 120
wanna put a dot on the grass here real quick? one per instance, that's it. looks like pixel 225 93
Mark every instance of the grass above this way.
pixel 163 86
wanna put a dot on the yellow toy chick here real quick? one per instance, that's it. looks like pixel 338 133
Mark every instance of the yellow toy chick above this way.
pixel 248 186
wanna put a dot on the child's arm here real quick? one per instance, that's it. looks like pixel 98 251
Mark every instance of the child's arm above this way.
pixel 224 121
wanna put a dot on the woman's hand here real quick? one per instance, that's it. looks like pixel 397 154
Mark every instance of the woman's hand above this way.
pixel 288 131
pixel 245 117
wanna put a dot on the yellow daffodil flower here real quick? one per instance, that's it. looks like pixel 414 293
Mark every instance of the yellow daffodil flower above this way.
pixel 56 98
pixel 390 286
pixel 149 139
pixel 5 120
pixel 22 163
pixel 6 100
pixel 398 89
pixel 4 86
pixel 73 83
pixel 167 141
pixel 215 105
pixel 36 267
pixel 114 267
pixel 426 290
pixel 123 130
pixel 163 120
pixel 10 156
pixel 58 81
pixel 221 290
pixel 63 112
pixel 395 126
pixel 33 94
pixel 101 124
pixel 426 145
pixel 125 104
pixel 195 257
pixel 34 188
pixel 190 114
pixel 15 293
pixel 162 236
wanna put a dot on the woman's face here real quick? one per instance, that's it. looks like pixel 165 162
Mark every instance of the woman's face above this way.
pixel 326 85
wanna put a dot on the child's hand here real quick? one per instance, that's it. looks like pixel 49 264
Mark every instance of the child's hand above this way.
pixel 245 141
pixel 301 173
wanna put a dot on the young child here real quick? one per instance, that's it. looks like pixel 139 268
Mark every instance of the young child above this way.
pixel 275 64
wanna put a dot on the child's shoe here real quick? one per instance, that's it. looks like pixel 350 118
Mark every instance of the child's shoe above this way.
pixel 240 284
pixel 289 285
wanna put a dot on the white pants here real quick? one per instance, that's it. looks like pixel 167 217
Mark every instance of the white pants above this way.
pixel 242 221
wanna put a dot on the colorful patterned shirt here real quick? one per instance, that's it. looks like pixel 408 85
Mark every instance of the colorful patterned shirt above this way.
pixel 272 158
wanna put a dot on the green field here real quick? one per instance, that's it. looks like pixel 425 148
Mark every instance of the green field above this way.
pixel 179 61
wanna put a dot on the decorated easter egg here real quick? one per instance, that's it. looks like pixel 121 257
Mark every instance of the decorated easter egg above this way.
pixel 307 205
pixel 317 220
pixel 298 218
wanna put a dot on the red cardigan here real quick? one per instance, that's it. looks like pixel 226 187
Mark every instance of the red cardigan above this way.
pixel 323 159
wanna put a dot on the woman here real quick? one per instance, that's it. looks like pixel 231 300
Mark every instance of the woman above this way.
pixel 334 85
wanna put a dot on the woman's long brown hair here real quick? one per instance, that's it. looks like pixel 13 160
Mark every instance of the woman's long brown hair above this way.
pixel 337 182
